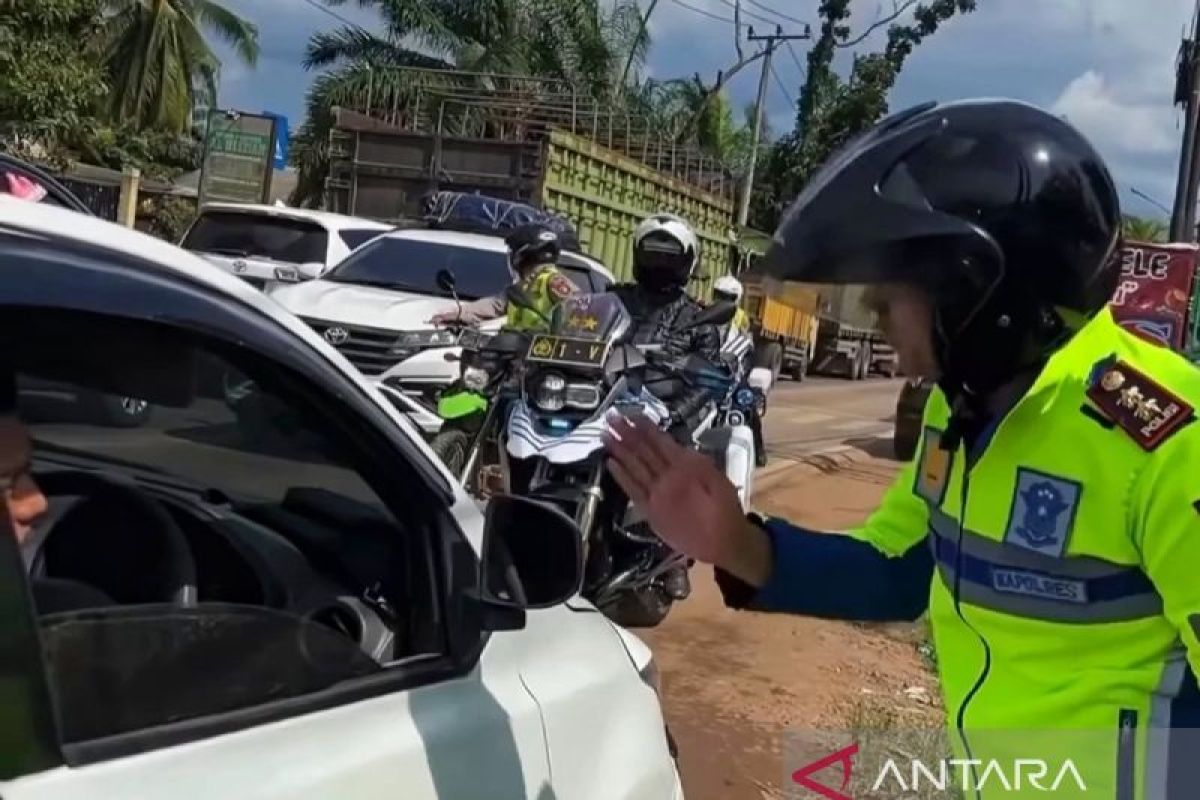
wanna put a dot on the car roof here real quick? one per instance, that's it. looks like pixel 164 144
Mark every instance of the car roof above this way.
pixel 157 256
pixel 483 241
pixel 326 219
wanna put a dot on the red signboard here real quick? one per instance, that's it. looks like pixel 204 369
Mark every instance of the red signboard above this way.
pixel 1153 294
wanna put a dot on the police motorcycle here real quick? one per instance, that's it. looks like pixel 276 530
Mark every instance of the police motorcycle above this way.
pixel 577 377
pixel 470 408
pixel 745 404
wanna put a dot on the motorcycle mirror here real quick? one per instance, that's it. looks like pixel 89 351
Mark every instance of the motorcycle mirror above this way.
pixel 446 281
pixel 532 557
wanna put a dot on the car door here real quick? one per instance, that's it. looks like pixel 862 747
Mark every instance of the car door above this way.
pixel 446 715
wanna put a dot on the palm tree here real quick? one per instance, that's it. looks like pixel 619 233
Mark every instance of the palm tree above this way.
pixel 158 60
pixel 1143 229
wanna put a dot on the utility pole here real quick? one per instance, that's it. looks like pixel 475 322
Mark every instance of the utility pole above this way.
pixel 772 41
pixel 1187 92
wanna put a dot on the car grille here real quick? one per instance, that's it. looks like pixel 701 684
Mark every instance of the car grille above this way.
pixel 368 349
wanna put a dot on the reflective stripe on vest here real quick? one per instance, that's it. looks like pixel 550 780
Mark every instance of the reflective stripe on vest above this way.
pixel 1021 582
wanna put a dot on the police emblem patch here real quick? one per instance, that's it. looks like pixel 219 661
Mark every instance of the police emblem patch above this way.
pixel 1043 512
pixel 933 470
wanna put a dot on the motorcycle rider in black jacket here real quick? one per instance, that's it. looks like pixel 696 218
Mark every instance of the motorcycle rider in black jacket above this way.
pixel 665 254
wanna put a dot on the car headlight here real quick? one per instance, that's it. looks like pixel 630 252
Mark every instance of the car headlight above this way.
pixel 475 379
pixel 550 394
pixel 289 274
pixel 436 337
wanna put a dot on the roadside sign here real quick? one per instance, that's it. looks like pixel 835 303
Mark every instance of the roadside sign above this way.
pixel 1155 290
pixel 281 139
pixel 238 155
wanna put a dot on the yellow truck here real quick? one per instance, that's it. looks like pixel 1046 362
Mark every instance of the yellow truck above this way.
pixel 799 328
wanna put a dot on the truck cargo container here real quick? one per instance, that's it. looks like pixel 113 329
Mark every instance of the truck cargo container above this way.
pixel 800 328
pixel 384 171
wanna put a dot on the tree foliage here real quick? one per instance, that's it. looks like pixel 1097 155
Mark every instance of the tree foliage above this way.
pixel 158 61
pixel 1143 229
pixel 831 109
pixel 586 44
pixel 49 82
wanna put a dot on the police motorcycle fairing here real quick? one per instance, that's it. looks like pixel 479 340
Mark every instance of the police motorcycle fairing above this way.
pixel 578 376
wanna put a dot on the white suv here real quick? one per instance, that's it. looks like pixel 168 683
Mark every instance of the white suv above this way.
pixel 267 245
pixel 309 608
pixel 376 305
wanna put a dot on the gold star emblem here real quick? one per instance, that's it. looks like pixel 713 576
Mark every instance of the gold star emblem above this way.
pixel 1113 379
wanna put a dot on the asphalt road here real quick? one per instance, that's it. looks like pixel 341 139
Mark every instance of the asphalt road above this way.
pixel 824 413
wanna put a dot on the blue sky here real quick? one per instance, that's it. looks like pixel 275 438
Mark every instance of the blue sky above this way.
pixel 1108 65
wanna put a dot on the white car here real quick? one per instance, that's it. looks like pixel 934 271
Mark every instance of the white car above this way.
pixel 376 305
pixel 268 245
pixel 308 608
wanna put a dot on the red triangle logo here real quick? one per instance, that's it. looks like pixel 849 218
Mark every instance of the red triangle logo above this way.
pixel 845 757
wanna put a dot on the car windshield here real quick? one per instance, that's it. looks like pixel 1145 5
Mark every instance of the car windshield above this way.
pixel 233 233
pixel 412 265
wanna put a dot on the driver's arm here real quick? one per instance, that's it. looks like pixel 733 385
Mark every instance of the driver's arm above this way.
pixel 476 311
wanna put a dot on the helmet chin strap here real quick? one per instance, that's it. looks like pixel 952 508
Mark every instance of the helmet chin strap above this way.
pixel 980 360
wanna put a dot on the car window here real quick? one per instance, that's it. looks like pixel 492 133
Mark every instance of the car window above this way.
pixel 353 237
pixel 412 265
pixel 242 235
pixel 28 187
pixel 179 465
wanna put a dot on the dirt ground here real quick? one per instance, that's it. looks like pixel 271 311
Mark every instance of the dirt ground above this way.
pixel 736 682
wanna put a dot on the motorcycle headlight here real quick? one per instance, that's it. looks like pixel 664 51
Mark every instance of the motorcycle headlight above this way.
pixel 584 396
pixel 744 397
pixel 551 393
pixel 475 379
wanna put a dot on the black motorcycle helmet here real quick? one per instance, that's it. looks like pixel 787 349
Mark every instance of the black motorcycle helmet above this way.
pixel 532 244
pixel 1002 212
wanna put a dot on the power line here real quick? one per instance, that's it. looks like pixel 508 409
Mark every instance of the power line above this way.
pixel 750 14
pixel 779 14
pixel 782 87
pixel 326 9
pixel 704 13
pixel 796 58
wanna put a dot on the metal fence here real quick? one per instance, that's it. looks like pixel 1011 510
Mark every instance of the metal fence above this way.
pixel 524 109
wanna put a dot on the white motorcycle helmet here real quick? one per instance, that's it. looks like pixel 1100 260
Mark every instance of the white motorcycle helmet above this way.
pixel 665 252
pixel 728 289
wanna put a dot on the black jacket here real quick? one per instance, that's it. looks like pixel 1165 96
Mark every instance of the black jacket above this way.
pixel 655 316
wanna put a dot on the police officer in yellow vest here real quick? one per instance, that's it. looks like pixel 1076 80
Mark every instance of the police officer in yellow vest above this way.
pixel 1050 523
pixel 728 289
pixel 533 253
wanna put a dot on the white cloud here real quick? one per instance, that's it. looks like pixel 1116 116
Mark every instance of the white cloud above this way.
pixel 1116 124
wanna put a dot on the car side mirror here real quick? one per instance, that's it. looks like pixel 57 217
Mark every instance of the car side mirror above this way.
pixel 532 558
pixel 446 281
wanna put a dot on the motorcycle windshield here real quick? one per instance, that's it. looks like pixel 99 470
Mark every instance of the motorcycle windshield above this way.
pixel 590 316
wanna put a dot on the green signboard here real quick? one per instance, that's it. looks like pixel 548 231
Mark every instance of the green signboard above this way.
pixel 238 156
